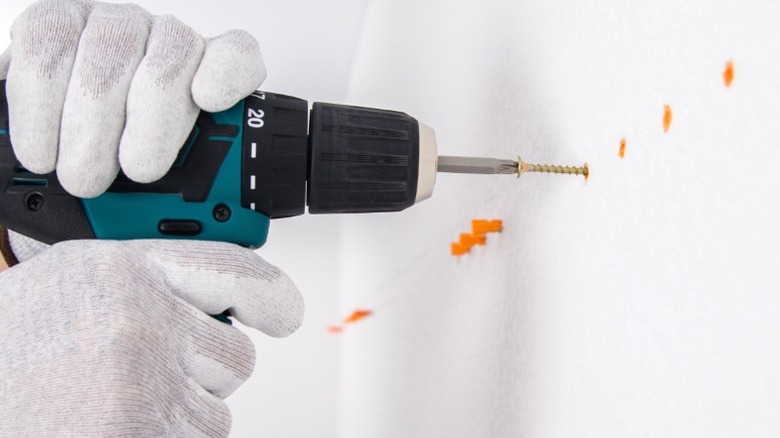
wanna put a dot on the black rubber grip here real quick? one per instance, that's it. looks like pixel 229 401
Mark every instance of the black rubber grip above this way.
pixel 361 160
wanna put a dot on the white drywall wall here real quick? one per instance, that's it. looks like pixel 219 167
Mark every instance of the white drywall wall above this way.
pixel 308 48
pixel 643 303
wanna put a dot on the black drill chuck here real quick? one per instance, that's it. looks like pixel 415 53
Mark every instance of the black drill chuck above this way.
pixel 355 160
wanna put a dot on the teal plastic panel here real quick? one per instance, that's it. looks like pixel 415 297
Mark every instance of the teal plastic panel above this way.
pixel 123 216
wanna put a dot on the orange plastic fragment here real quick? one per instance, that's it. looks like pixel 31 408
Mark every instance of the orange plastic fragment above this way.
pixel 479 239
pixel 586 174
pixel 469 240
pixel 728 73
pixel 667 117
pixel 335 329
pixel 358 315
pixel 459 249
pixel 622 152
pixel 482 226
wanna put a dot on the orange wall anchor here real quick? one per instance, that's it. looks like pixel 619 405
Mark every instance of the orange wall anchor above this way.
pixel 482 226
pixel 458 249
pixel 728 74
pixel 478 236
pixel 477 239
pixel 469 239
pixel 358 315
pixel 667 117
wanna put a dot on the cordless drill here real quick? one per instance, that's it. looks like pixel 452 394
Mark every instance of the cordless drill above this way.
pixel 268 157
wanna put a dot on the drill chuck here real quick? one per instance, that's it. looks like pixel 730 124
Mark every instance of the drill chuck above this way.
pixel 341 159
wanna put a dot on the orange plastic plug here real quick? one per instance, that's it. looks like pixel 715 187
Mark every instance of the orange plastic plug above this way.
pixel 728 74
pixel 622 152
pixel 667 117
pixel 459 249
pixel 475 239
pixel 358 315
pixel 467 239
pixel 482 226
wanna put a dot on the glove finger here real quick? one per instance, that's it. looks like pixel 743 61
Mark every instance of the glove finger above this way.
pixel 218 356
pixel 215 277
pixel 5 63
pixel 232 68
pixel 112 45
pixel 160 109
pixel 44 40
pixel 200 413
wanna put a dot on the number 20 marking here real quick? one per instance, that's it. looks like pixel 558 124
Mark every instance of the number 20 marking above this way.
pixel 255 118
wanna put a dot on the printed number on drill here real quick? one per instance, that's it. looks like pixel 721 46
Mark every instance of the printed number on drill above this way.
pixel 255 116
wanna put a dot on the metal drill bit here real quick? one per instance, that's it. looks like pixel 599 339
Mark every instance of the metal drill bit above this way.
pixel 496 166
pixel 476 165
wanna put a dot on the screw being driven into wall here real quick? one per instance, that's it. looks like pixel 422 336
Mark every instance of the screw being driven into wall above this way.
pixel 523 167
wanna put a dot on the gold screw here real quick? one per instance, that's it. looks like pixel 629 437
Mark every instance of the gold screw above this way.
pixel 523 167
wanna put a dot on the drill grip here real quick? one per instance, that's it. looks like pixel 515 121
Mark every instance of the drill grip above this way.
pixel 199 198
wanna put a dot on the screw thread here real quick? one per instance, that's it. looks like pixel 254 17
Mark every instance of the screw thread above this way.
pixel 548 168
pixel 567 170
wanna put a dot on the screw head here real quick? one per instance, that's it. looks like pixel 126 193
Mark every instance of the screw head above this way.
pixel 222 213
pixel 34 201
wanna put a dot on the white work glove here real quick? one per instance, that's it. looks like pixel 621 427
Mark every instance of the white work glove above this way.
pixel 94 85
pixel 113 339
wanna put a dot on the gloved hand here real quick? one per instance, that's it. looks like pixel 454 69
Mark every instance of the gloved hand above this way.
pixel 94 85
pixel 113 338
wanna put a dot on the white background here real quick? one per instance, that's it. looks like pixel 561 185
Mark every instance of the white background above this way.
pixel 643 303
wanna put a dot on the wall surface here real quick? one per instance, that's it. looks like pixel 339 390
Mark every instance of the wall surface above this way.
pixel 645 302
pixel 308 48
